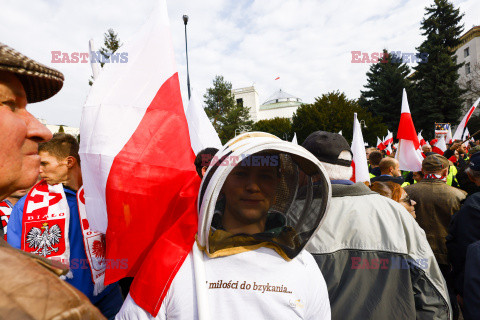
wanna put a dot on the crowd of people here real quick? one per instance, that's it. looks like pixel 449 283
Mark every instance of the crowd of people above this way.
pixel 283 231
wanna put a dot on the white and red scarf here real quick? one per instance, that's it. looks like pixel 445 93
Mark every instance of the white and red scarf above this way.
pixel 433 176
pixel 46 220
pixel 5 211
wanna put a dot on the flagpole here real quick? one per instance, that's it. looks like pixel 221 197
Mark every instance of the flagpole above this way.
pixel 185 20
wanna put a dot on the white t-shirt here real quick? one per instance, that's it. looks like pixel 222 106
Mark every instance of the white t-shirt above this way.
pixel 251 285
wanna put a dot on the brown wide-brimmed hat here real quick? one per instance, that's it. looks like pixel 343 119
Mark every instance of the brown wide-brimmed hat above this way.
pixel 39 81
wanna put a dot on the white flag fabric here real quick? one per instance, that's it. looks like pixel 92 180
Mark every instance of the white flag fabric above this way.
pixel 449 138
pixel 407 155
pixel 93 64
pixel 463 124
pixel 294 140
pixel 202 133
pixel 441 144
pixel 359 156
pixel 340 132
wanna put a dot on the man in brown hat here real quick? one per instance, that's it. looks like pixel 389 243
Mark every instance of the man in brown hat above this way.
pixel 30 287
pixel 436 203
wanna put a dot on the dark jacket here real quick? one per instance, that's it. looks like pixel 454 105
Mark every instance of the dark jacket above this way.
pixel 471 299
pixel 400 180
pixel 464 230
pixel 436 203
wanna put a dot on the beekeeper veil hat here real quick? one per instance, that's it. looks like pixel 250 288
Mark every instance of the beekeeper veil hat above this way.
pixel 301 198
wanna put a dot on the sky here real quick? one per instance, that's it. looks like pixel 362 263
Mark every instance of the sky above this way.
pixel 308 44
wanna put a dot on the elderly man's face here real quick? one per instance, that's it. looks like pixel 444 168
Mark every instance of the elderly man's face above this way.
pixel 426 148
pixel 20 134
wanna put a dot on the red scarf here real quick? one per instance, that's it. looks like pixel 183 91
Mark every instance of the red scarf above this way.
pixel 5 211
pixel 46 220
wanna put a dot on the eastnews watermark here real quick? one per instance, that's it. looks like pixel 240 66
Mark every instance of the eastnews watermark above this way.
pixel 395 57
pixel 85 57
pixel 389 263
pixel 242 160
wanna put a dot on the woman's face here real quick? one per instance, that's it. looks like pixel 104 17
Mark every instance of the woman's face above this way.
pixel 408 203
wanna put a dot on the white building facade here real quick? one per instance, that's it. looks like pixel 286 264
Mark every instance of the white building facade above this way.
pixel 280 104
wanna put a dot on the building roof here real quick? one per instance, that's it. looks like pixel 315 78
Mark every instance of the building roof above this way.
pixel 281 96
pixel 467 36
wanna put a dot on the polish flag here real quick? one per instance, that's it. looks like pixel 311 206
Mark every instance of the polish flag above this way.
pixel 360 165
pixel 448 138
pixel 137 163
pixel 407 155
pixel 441 144
pixel 380 145
pixel 463 124
pixel 421 140
pixel 388 139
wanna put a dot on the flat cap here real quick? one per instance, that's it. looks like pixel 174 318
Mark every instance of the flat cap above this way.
pixel 39 81
pixel 435 163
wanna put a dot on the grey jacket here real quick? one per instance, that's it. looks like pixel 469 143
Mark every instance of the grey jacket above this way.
pixel 376 260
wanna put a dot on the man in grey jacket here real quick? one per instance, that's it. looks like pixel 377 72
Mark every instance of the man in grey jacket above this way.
pixel 375 258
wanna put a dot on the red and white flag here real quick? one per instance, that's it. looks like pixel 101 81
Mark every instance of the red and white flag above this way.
pixel 137 163
pixel 463 124
pixel 407 155
pixel 421 140
pixel 448 138
pixel 380 145
pixel 388 139
pixel 441 144
pixel 360 165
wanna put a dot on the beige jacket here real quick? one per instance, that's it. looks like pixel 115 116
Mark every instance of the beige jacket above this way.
pixel 30 289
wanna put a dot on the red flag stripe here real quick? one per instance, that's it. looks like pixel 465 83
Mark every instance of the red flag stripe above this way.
pixel 406 129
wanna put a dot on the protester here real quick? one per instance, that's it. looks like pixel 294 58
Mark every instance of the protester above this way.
pixel 203 159
pixel 252 229
pixel 471 301
pixel 369 150
pixel 6 207
pixel 30 285
pixel 436 203
pixel 374 161
pixel 390 171
pixel 426 148
pixel 417 176
pixel 395 192
pixel 373 255
pixel 62 178
pixel 464 229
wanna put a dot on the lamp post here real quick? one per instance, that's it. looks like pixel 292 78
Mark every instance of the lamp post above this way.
pixel 185 20
pixel 362 122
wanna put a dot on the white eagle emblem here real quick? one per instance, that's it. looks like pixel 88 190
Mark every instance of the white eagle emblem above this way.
pixel 44 242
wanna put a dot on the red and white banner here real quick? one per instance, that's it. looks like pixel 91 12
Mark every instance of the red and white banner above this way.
pixel 420 139
pixel 360 165
pixel 407 154
pixel 137 162
pixel 463 124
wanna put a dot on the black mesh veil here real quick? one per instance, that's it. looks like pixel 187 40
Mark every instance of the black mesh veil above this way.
pixel 302 191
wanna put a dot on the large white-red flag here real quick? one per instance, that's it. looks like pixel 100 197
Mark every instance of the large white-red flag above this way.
pixel 360 165
pixel 407 155
pixel 137 162
pixel 463 124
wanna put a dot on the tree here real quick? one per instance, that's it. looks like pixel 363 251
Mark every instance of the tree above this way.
pixel 385 82
pixel 111 43
pixel 226 115
pixel 437 96
pixel 281 127
pixel 334 112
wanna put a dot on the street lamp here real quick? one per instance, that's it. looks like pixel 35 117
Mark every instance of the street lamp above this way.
pixel 185 20
pixel 362 122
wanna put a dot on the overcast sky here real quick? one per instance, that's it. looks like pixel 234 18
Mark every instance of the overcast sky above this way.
pixel 307 44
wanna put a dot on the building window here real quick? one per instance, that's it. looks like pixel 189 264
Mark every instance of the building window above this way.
pixel 466 52
pixel 240 102
pixel 467 68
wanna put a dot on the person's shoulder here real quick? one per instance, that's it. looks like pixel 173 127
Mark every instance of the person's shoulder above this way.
pixel 20 203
